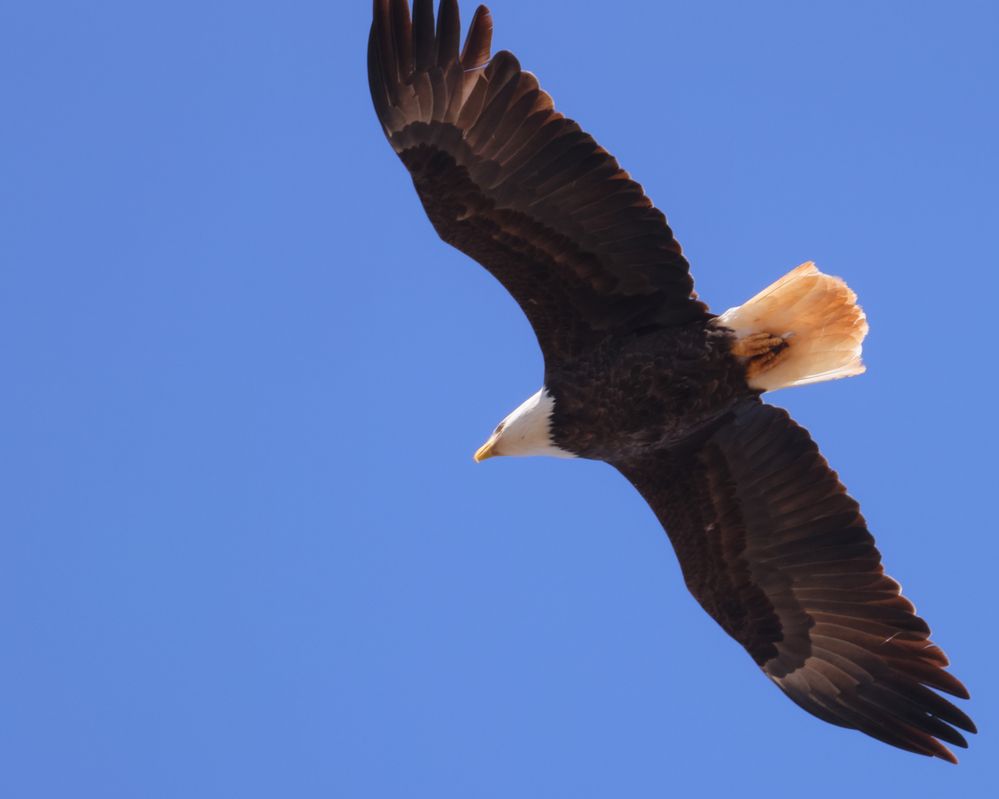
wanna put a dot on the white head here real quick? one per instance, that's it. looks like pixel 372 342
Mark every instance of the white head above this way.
pixel 526 431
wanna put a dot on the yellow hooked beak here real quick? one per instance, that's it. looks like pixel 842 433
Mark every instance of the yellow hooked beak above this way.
pixel 487 450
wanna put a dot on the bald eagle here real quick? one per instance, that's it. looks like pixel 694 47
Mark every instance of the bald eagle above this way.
pixel 640 374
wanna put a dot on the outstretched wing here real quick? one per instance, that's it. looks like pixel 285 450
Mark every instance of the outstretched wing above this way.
pixel 514 184
pixel 777 552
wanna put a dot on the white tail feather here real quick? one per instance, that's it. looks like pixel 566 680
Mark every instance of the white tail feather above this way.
pixel 817 317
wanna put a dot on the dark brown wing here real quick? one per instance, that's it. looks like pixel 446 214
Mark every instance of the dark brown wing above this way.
pixel 776 551
pixel 520 188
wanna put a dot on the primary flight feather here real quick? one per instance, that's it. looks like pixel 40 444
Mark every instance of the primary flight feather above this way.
pixel 638 373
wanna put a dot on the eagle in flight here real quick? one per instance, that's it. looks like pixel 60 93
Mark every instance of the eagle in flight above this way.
pixel 640 374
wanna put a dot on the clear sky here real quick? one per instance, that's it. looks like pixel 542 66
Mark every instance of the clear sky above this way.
pixel 244 550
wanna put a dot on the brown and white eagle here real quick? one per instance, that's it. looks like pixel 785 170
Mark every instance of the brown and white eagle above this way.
pixel 638 373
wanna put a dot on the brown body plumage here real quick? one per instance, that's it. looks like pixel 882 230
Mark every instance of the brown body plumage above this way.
pixel 628 397
pixel 640 374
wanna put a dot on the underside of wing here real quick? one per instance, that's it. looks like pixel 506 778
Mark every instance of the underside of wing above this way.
pixel 514 184
pixel 777 552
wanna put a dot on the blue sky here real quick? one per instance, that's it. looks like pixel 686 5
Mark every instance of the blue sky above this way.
pixel 244 550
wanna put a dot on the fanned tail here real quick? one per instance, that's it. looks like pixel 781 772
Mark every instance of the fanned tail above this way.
pixel 805 328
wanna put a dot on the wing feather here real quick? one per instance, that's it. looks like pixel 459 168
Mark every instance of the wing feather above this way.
pixel 777 552
pixel 514 184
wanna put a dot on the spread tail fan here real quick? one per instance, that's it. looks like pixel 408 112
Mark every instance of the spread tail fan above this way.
pixel 805 328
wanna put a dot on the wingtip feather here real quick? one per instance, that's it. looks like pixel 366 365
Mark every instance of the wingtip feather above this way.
pixel 478 42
